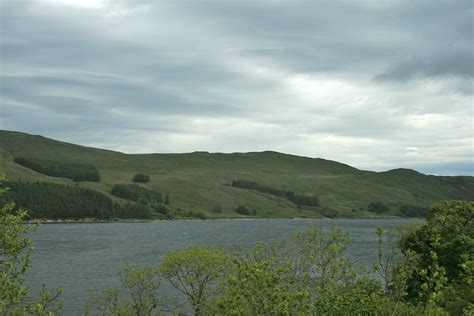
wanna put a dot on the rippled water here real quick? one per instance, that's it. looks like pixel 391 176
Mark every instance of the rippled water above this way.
pixel 83 258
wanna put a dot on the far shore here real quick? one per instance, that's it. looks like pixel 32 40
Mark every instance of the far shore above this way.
pixel 98 221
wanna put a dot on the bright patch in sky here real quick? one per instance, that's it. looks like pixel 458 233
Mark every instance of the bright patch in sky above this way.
pixel 374 84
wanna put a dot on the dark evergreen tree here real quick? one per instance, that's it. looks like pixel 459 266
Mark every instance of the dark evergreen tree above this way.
pixel 141 178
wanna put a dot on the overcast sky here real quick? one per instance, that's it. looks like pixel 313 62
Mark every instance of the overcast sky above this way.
pixel 374 84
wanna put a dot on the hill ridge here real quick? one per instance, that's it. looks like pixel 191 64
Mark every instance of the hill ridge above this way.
pixel 201 181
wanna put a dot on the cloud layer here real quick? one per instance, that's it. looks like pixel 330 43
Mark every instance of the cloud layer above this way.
pixel 375 84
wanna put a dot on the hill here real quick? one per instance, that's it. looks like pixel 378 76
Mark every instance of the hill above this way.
pixel 201 181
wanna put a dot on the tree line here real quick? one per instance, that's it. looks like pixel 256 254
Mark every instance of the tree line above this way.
pixel 408 210
pixel 299 199
pixel 73 171
pixel 50 200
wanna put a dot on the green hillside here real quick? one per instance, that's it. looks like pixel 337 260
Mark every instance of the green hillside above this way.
pixel 201 181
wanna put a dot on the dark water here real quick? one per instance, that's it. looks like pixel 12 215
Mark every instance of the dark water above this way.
pixel 83 258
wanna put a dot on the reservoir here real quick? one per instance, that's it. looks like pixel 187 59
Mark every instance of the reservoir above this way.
pixel 84 258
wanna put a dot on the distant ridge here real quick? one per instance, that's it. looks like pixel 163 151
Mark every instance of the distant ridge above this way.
pixel 200 181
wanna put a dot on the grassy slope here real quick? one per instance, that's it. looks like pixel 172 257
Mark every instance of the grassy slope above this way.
pixel 199 181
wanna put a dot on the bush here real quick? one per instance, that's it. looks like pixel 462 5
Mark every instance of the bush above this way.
pixel 440 257
pixel 73 171
pixel 135 193
pixel 16 249
pixel 217 208
pixel 377 207
pixel 242 209
pixel 141 178
pixel 413 210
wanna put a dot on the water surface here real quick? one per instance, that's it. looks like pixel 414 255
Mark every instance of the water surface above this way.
pixel 83 258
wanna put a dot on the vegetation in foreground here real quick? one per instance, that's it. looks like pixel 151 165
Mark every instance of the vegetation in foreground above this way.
pixel 308 275
pixel 430 274
pixel 15 254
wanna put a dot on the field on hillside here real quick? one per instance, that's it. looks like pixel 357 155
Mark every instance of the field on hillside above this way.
pixel 201 181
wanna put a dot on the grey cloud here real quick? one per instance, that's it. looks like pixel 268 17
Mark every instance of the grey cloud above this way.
pixel 336 79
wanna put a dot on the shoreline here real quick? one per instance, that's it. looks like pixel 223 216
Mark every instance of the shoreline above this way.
pixel 127 221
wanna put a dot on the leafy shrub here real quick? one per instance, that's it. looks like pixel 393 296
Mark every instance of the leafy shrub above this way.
pixel 441 257
pixel 16 248
pixel 141 178
pixel 73 171
pixel 242 209
pixel 163 210
pixel 217 208
pixel 190 214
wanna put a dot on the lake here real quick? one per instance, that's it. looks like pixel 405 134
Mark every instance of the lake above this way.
pixel 83 258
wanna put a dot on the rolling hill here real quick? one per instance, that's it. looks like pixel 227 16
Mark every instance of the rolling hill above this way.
pixel 201 181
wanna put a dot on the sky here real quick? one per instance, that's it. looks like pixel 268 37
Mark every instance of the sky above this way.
pixel 375 84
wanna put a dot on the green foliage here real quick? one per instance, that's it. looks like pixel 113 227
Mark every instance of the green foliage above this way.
pixel 321 257
pixel 377 207
pixel 217 208
pixel 289 195
pixel 262 282
pixel 242 209
pixel 363 297
pixel 413 210
pixel 49 200
pixel 15 253
pixel 133 210
pixel 136 193
pixel 138 295
pixel 180 213
pixel 441 257
pixel 141 178
pixel 167 199
pixel 73 171
pixel 195 273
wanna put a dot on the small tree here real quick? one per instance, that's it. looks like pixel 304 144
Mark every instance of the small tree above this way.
pixel 194 272
pixel 139 298
pixel 321 256
pixel 167 200
pixel 442 253
pixel 15 259
pixel 242 209
pixel 262 282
